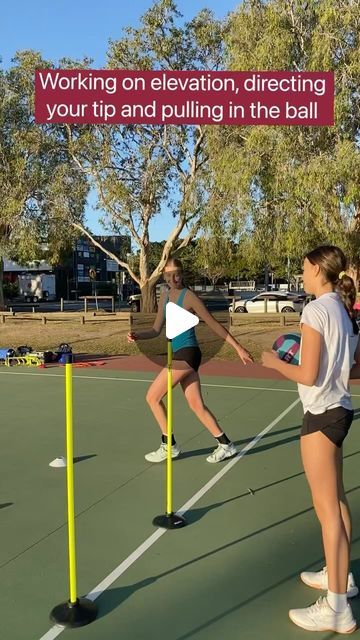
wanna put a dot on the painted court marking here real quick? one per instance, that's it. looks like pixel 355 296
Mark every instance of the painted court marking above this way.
pixel 55 631
pixel 115 379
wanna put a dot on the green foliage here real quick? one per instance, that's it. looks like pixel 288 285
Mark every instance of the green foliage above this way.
pixel 11 290
pixel 141 171
pixel 261 195
pixel 41 190
pixel 290 188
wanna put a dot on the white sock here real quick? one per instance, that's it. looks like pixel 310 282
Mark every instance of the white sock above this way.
pixel 337 601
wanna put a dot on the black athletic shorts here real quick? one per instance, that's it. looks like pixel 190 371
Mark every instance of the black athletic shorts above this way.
pixel 334 423
pixel 191 355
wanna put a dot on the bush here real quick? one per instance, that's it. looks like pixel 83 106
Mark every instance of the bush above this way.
pixel 11 290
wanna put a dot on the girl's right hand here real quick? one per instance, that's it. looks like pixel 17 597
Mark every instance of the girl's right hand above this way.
pixel 132 336
pixel 270 359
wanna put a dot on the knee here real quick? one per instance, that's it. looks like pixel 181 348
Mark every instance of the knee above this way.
pixel 152 398
pixel 328 513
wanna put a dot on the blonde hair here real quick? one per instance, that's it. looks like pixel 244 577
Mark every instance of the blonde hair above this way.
pixel 176 262
pixel 178 265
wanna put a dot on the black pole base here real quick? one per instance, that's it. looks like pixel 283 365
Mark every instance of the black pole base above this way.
pixel 170 521
pixel 71 615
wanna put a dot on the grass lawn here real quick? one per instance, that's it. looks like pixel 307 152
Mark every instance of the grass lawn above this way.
pixel 106 334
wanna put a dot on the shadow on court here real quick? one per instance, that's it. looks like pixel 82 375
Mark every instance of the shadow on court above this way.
pixel 259 594
pixel 271 433
pixel 278 443
pixel 6 504
pixel 256 448
pixel 242 442
pixel 113 598
pixel 194 515
pixel 86 457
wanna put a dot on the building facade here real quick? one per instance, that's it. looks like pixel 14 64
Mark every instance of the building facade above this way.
pixel 73 274
pixel 88 259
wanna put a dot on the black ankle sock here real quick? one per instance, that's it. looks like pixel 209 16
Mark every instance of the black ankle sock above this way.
pixel 223 439
pixel 164 439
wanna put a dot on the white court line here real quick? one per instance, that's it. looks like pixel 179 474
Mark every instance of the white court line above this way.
pixel 55 631
pixel 115 379
pixel 235 386
pixel 203 384
pixel 61 375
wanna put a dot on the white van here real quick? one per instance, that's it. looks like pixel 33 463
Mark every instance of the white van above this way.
pixel 36 287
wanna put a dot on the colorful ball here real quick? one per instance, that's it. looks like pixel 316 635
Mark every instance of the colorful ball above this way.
pixel 288 347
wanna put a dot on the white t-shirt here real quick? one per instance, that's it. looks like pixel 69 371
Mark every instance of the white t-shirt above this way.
pixel 328 316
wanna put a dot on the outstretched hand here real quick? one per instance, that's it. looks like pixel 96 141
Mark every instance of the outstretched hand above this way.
pixel 244 355
pixel 132 336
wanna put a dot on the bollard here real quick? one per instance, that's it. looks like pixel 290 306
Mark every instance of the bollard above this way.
pixel 76 612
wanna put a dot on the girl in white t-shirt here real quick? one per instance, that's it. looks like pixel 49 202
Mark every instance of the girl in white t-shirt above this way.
pixel 329 347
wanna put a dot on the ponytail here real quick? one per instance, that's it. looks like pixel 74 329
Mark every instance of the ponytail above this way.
pixel 332 262
pixel 347 291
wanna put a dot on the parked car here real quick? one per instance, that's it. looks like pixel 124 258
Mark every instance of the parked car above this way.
pixel 134 302
pixel 277 302
pixel 213 301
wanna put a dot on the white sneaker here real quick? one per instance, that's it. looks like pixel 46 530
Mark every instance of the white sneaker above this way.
pixel 161 453
pixel 319 580
pixel 221 452
pixel 321 617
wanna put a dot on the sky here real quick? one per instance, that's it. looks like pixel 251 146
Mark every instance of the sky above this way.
pixel 78 28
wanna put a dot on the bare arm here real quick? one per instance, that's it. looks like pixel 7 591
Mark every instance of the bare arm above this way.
pixel 133 336
pixel 306 372
pixel 199 308
pixel 355 369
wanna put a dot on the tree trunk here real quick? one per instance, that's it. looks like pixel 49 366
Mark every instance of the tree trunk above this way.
pixel 147 287
pixel 2 301
pixel 266 277
pixel 354 273
pixel 148 297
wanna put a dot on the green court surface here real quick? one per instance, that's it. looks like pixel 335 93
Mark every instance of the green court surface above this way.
pixel 232 573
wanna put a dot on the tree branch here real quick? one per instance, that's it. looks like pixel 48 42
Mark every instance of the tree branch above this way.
pixel 111 255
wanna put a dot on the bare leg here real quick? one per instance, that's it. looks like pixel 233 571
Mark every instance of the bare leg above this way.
pixel 192 391
pixel 320 460
pixel 158 390
pixel 344 505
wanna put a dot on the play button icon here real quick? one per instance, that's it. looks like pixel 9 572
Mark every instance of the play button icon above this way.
pixel 175 320
pixel 178 320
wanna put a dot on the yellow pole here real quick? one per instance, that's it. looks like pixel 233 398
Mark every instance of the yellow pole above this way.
pixel 169 431
pixel 70 481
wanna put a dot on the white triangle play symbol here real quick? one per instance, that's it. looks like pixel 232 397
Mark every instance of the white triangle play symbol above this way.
pixel 178 320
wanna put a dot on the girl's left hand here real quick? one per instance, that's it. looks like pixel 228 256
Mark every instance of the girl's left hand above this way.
pixel 269 359
pixel 244 355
